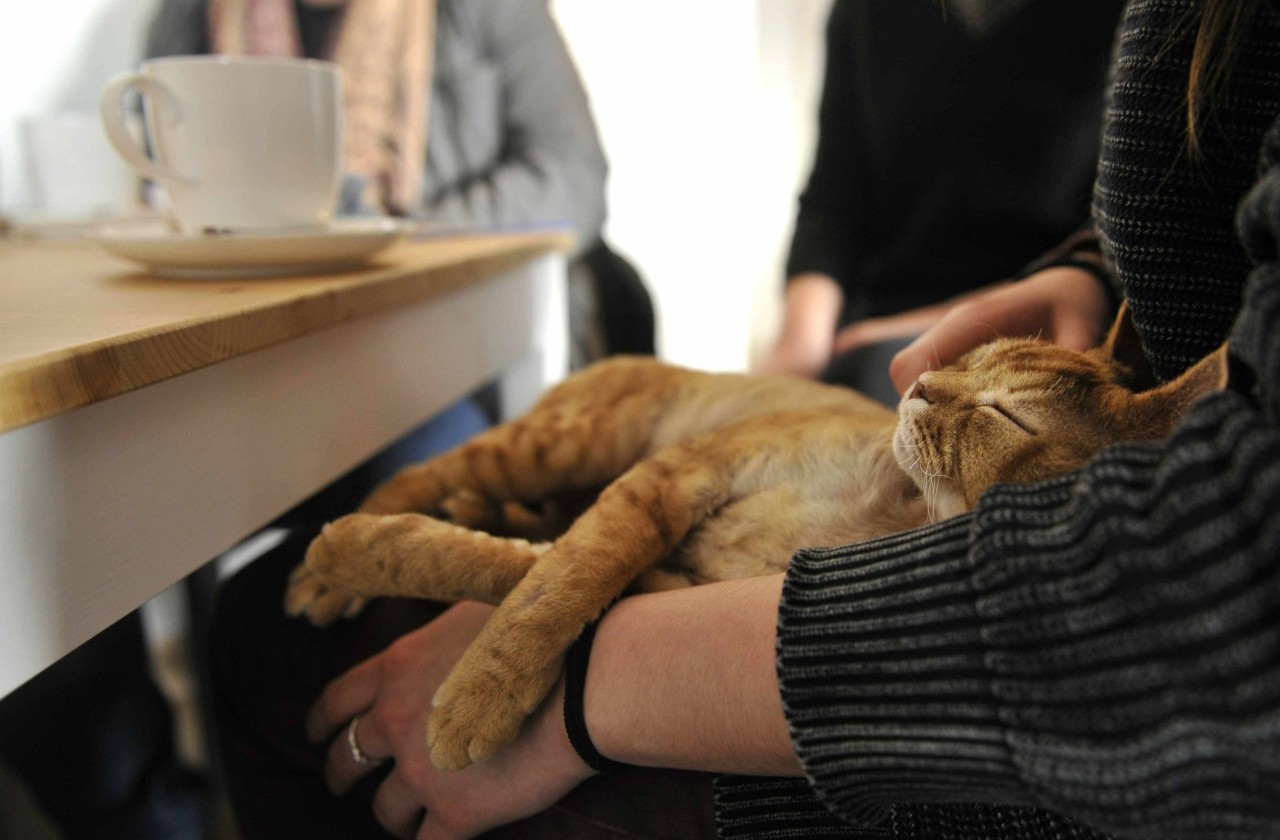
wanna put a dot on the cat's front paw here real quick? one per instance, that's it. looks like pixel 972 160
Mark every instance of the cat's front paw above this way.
pixel 309 595
pixel 348 554
pixel 324 587
pixel 478 710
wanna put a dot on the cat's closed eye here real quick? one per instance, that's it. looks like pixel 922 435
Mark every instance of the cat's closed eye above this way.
pixel 1011 417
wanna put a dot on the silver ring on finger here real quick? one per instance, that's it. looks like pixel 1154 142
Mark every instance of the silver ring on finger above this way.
pixel 359 755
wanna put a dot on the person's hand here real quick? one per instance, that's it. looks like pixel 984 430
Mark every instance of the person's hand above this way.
pixel 800 356
pixel 1067 306
pixel 809 318
pixel 391 694
pixel 912 322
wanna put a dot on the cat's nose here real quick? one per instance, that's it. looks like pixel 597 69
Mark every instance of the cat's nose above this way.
pixel 917 391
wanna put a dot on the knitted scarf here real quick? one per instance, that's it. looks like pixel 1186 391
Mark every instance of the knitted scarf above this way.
pixel 384 50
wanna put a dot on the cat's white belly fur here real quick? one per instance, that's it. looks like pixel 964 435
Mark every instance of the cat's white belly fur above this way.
pixel 770 517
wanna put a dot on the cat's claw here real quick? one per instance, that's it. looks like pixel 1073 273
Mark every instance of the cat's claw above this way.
pixel 313 593
pixel 307 596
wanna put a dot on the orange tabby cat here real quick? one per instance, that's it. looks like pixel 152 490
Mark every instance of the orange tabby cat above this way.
pixel 705 477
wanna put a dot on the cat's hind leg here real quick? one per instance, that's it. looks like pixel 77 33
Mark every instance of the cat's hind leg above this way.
pixel 506 518
pixel 409 555
pixel 581 435
pixel 488 482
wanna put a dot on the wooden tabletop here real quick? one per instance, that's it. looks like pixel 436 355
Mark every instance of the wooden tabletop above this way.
pixel 78 325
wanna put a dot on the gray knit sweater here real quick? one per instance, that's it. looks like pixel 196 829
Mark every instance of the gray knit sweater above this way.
pixel 1099 653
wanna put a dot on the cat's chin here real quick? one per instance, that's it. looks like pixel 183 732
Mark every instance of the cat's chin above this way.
pixel 941 497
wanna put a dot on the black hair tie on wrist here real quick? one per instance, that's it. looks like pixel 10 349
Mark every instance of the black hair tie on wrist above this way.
pixel 575 722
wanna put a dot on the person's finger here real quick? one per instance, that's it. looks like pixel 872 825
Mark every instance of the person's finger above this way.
pixel 1075 333
pixel 346 764
pixel 858 335
pixel 396 807
pixel 888 327
pixel 960 330
pixel 344 698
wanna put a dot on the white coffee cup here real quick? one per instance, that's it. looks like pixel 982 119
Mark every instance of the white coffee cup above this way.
pixel 239 143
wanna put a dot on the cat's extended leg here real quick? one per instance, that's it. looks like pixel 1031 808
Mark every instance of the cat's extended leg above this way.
pixel 522 461
pixel 323 598
pixel 515 660
pixel 580 436
pixel 407 555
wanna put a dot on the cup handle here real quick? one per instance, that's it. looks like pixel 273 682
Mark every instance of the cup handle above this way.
pixel 111 109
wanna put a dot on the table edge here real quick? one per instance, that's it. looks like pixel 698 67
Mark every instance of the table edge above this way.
pixel 55 383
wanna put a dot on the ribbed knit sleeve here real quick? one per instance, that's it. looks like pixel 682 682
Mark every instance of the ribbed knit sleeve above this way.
pixel 1105 646
pixel 1166 215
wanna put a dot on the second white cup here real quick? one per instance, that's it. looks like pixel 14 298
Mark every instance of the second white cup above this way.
pixel 239 143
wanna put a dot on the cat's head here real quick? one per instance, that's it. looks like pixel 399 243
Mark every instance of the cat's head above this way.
pixel 1024 409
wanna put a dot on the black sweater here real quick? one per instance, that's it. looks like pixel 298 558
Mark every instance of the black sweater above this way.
pixel 1103 649
pixel 949 155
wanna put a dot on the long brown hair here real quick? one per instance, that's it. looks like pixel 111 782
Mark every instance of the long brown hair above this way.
pixel 1221 24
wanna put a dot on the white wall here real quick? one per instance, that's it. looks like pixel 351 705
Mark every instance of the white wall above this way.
pixel 56 55
pixel 706 108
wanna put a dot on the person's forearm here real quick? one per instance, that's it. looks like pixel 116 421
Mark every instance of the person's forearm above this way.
pixel 813 303
pixel 812 310
pixel 686 679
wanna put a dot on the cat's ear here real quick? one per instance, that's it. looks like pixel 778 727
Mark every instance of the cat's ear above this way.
pixel 1161 408
pixel 1124 346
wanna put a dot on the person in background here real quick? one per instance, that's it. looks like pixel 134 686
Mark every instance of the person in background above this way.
pixel 509 142
pixel 479 120
pixel 954 148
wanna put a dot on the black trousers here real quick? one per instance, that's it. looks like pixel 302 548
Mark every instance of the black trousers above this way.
pixel 91 738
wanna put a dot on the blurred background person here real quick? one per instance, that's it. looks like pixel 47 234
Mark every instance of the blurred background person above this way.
pixel 482 122
pixel 954 147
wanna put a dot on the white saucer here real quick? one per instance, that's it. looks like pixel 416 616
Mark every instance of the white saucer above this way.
pixel 170 253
